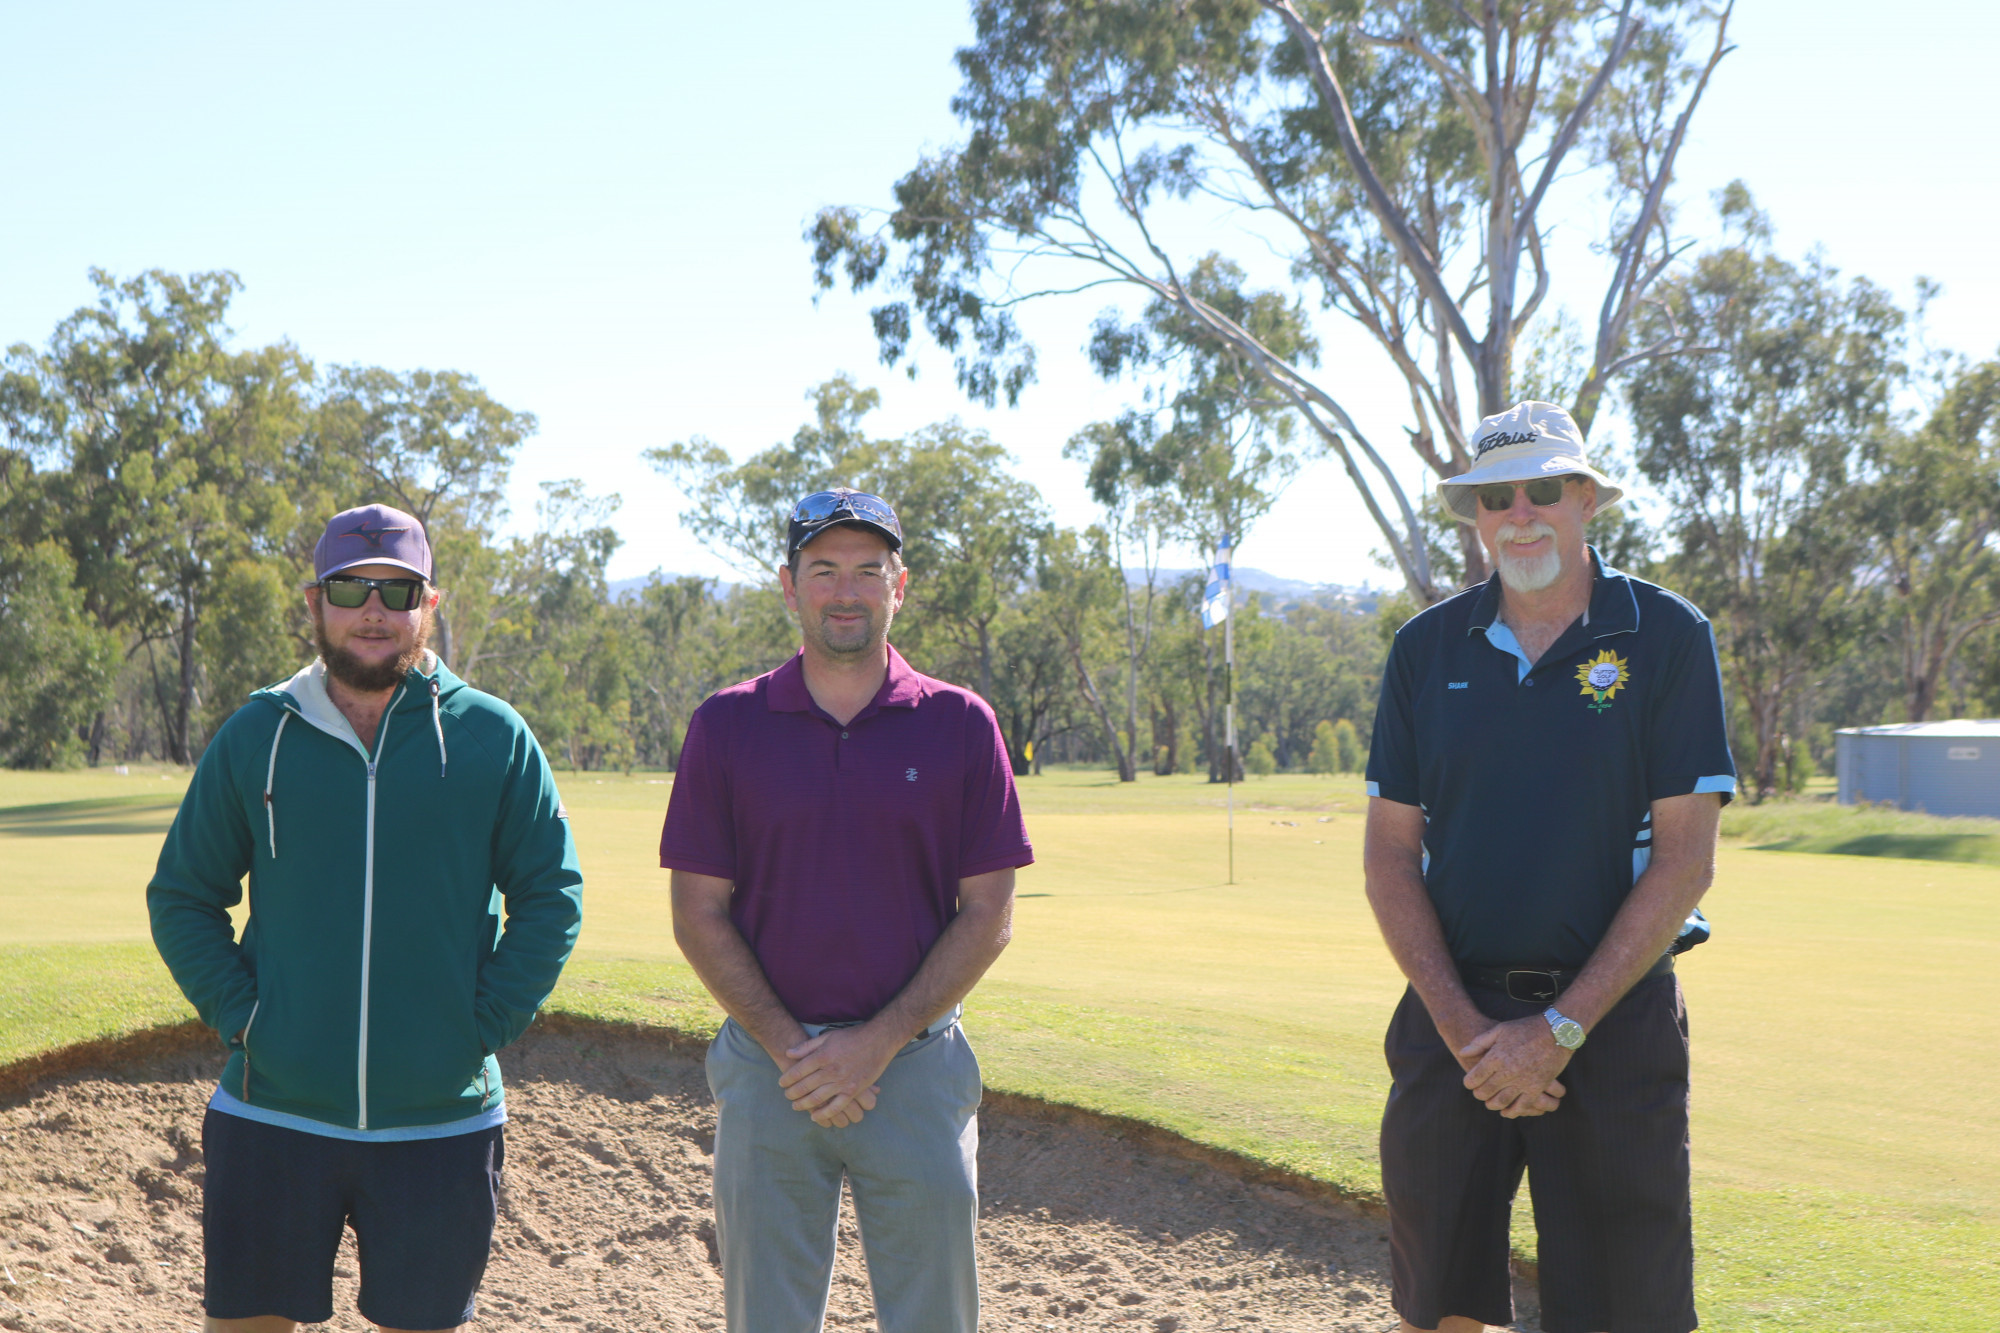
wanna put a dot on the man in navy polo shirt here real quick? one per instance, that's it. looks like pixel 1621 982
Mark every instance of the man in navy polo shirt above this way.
pixel 843 835
pixel 1549 764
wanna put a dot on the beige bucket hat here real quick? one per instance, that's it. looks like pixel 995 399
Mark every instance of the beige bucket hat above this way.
pixel 1528 440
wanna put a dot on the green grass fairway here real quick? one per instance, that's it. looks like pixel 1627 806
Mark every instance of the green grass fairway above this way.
pixel 1820 826
pixel 1847 1151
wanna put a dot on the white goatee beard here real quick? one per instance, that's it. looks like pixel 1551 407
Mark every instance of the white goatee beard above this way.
pixel 1526 573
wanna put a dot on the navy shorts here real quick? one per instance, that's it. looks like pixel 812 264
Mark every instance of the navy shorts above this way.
pixel 276 1201
pixel 1608 1172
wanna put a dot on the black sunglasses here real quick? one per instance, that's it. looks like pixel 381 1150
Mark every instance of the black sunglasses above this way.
pixel 351 590
pixel 823 505
pixel 1542 492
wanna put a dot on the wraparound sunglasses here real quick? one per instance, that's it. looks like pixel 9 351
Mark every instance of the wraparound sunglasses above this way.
pixel 1542 492
pixel 823 505
pixel 351 590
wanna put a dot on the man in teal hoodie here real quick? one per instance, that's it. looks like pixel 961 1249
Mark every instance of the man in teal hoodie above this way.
pixel 382 812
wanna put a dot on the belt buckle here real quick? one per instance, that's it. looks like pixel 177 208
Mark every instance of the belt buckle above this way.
pixel 1534 987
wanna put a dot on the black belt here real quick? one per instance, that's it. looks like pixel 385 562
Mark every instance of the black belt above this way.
pixel 1540 985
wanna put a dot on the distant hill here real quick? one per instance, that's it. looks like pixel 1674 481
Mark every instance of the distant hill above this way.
pixel 619 587
pixel 1281 591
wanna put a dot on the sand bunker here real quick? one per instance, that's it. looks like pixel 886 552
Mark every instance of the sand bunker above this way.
pixel 606 1223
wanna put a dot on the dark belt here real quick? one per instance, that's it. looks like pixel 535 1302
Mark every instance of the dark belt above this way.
pixel 1540 985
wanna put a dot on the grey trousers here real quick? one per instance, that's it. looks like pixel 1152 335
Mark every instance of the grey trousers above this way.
pixel 912 1164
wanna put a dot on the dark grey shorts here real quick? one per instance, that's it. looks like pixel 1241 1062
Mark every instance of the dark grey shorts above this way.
pixel 1608 1173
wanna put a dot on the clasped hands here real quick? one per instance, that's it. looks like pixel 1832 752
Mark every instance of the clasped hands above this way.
pixel 1512 1067
pixel 833 1076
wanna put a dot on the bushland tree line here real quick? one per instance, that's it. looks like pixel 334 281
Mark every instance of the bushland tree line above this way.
pixel 160 489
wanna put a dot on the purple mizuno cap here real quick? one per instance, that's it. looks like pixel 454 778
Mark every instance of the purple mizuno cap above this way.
pixel 372 535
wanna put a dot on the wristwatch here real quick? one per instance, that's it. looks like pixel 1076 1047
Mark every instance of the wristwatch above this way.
pixel 1567 1031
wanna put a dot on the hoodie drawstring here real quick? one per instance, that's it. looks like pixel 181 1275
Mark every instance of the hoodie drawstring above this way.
pixel 270 775
pixel 437 721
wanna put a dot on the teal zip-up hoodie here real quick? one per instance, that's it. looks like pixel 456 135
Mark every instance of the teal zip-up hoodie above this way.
pixel 374 980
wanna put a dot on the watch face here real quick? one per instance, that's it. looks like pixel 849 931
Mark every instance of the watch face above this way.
pixel 1567 1031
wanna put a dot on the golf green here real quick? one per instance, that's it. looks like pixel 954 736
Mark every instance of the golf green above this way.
pixel 1847 1153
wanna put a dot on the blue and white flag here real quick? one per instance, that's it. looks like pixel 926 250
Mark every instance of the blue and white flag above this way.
pixel 1215 597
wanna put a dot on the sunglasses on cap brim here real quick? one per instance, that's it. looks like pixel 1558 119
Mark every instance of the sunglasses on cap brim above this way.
pixel 348 591
pixel 826 505
pixel 1499 496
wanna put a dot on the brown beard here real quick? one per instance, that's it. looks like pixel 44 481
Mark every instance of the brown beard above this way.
pixel 365 677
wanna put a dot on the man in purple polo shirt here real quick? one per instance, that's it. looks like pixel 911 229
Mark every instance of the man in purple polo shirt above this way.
pixel 843 835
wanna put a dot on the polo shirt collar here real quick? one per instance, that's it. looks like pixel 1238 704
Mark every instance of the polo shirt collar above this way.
pixel 786 691
pixel 1614 607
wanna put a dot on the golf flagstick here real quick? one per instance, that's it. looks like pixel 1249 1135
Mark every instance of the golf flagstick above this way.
pixel 1217 601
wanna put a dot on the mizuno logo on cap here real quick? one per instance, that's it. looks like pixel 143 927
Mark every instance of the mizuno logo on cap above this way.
pixel 373 536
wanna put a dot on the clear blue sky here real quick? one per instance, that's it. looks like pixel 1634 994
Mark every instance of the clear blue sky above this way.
pixel 596 208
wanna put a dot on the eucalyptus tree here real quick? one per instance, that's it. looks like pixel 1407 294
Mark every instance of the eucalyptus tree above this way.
pixel 1401 155
pixel 1080 583
pixel 564 657
pixel 690 638
pixel 166 462
pixel 1932 513
pixel 970 526
pixel 1035 694
pixel 1208 451
pixel 739 511
pixel 57 665
pixel 1139 514
pixel 1756 452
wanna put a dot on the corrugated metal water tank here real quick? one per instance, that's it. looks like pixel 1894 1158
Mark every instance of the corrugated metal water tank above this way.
pixel 1942 768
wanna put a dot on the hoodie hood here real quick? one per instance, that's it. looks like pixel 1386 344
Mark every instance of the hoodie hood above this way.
pixel 427 686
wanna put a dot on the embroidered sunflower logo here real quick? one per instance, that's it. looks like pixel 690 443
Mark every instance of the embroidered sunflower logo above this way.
pixel 1603 676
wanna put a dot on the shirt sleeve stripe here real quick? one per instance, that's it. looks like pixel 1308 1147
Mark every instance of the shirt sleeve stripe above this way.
pixel 1374 788
pixel 1721 782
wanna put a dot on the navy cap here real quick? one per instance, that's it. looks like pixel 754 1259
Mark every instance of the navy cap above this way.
pixel 841 507
pixel 372 535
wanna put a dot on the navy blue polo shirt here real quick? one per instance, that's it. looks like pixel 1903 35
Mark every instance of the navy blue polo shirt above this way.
pixel 1537 779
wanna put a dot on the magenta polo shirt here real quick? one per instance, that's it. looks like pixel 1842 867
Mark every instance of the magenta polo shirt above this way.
pixel 845 844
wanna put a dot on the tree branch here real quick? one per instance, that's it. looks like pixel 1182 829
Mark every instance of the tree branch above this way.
pixel 1623 292
pixel 1420 261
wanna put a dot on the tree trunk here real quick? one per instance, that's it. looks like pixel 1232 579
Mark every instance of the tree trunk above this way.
pixel 1922 696
pixel 1766 714
pixel 1166 738
pixel 184 702
pixel 162 703
pixel 1476 568
pixel 1118 751
pixel 1132 720
pixel 985 661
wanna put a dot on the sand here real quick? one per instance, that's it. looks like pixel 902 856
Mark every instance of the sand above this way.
pixel 606 1224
